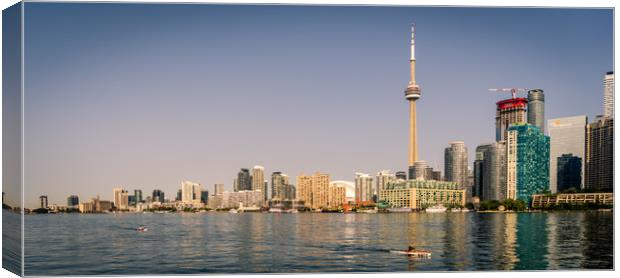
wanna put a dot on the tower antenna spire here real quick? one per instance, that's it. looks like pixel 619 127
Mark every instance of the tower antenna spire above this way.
pixel 412 41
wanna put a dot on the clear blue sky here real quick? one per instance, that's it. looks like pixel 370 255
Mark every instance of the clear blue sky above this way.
pixel 144 95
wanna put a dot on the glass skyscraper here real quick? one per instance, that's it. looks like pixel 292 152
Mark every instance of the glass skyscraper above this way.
pixel 527 162
pixel 567 137
pixel 569 172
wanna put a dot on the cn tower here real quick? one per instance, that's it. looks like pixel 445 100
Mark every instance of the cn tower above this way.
pixel 412 93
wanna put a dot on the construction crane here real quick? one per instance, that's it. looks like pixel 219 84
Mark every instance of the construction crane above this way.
pixel 513 91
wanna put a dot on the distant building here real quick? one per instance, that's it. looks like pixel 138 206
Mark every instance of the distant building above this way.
pixel 382 179
pixel 420 171
pixel 138 195
pixel 121 198
pixel 204 197
pixel 509 111
pixel 279 184
pixel 158 196
pixel 131 199
pixel 536 109
pixel 436 176
pixel 567 135
pixel 218 189
pixel 568 172
pixel 87 207
pixel 43 199
pixel 258 177
pixel 349 187
pixel 363 188
pixel 244 180
pixel 73 201
pixel 599 155
pixel 179 195
pixel 490 171
pixel 455 164
pixel 337 195
pixel 243 198
pixel 191 193
pixel 527 162
pixel 608 98
pixel 420 194
pixel 401 175
pixel 542 200
pixel 313 190
pixel 266 191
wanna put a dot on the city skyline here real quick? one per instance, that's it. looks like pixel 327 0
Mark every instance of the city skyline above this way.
pixel 121 127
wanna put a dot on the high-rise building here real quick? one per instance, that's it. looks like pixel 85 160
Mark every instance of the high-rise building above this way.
pixel 43 200
pixel 137 193
pixel 190 192
pixel 244 180
pixel 179 195
pixel 266 191
pixel 436 176
pixel 527 151
pixel 204 197
pixel 258 177
pixel 382 179
pixel 536 109
pixel 401 175
pixel 509 111
pixel 121 198
pixel 73 201
pixel 412 94
pixel 420 171
pixel 131 199
pixel 455 164
pixel 568 172
pixel 567 136
pixel 313 190
pixel 158 196
pixel 218 188
pixel 490 171
pixel 599 155
pixel 608 98
pixel 337 195
pixel 363 188
pixel 279 182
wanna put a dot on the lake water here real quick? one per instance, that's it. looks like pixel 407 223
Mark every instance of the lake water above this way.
pixel 81 244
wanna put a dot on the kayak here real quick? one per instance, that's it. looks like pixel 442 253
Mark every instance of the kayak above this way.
pixel 415 253
pixel 142 229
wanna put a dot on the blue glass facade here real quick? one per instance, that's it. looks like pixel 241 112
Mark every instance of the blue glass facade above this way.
pixel 532 173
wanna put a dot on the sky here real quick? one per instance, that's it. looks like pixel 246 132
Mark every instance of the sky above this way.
pixel 143 96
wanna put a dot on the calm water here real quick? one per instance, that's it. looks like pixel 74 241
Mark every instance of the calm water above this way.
pixel 313 242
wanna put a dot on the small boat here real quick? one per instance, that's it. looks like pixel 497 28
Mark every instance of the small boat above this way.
pixel 233 211
pixel 142 229
pixel 275 210
pixel 436 208
pixel 413 253
pixel 399 209
pixel 292 211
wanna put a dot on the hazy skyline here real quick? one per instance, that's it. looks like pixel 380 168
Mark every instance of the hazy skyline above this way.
pixel 144 95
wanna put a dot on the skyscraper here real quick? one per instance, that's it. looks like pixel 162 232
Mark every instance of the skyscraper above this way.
pixel 304 189
pixel 244 180
pixel 313 190
pixel 455 164
pixel 567 136
pixel 419 171
pixel 121 198
pixel 382 179
pixel 490 171
pixel 363 188
pixel 608 98
pixel 401 175
pixel 190 192
pixel 73 201
pixel 258 177
pixel 479 170
pixel 527 150
pixel 43 199
pixel 412 94
pixel 599 155
pixel 280 186
pixel 509 111
pixel 158 196
pixel 137 193
pixel 218 189
pixel 536 109
pixel 568 172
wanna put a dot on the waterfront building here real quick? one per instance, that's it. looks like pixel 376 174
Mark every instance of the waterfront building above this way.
pixel 567 135
pixel 363 188
pixel 420 171
pixel 158 196
pixel 190 193
pixel 349 187
pixel 121 198
pixel 73 201
pixel 313 190
pixel 509 111
pixel 337 195
pixel 218 189
pixel 242 198
pixel 542 200
pixel 420 194
pixel 455 164
pixel 608 98
pixel 527 150
pixel 382 179
pixel 204 197
pixel 86 207
pixel 235 185
pixel 138 195
pixel 401 175
pixel 490 171
pixel 536 109
pixel 289 191
pixel 98 205
pixel 279 183
pixel 43 201
pixel 568 172
pixel 244 179
pixel 599 155
pixel 258 177
pixel 179 195
pixel 436 175
pixel 266 191
pixel 131 199
pixel 412 94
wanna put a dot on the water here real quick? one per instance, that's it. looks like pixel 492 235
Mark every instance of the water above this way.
pixel 83 244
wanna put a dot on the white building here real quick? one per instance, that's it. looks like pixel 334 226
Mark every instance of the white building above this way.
pixel 121 198
pixel 382 179
pixel 349 189
pixel 190 193
pixel 608 98
pixel 363 187
pixel 567 137
pixel 242 198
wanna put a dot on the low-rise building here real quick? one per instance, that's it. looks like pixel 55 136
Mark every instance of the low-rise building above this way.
pixel 542 200
pixel 419 194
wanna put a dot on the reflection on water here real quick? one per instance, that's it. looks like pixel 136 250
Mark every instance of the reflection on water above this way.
pixel 310 242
